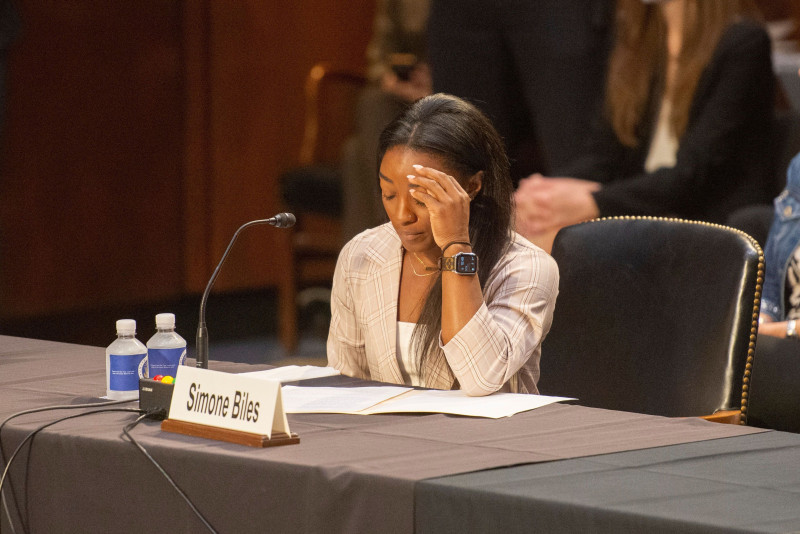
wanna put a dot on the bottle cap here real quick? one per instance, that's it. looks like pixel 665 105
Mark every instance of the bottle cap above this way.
pixel 126 327
pixel 165 321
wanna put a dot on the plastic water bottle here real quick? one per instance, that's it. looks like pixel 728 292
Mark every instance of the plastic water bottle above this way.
pixel 166 350
pixel 126 359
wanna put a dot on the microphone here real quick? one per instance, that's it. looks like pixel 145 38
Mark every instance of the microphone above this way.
pixel 281 220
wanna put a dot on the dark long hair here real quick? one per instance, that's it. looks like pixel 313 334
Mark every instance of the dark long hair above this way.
pixel 464 139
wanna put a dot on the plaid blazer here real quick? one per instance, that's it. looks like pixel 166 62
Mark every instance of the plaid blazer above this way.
pixel 498 349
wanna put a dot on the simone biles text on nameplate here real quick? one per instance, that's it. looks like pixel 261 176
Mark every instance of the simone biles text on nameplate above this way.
pixel 241 407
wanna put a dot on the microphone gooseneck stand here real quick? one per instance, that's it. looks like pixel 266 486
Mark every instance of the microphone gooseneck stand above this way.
pixel 282 220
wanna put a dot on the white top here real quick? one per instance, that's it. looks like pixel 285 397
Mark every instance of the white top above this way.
pixel 664 146
pixel 409 366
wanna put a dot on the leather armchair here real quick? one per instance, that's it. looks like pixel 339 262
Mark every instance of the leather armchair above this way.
pixel 654 316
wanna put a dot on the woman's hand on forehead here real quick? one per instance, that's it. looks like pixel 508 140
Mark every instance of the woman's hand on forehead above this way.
pixel 447 203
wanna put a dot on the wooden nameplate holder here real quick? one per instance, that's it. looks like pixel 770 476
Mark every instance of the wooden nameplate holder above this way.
pixel 231 436
pixel 227 407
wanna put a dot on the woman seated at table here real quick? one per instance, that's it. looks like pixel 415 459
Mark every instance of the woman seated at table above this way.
pixel 687 123
pixel 445 295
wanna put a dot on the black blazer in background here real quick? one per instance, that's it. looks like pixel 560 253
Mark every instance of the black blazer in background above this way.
pixel 723 157
pixel 535 67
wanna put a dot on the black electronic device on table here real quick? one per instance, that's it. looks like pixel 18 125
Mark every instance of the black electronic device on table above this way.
pixel 155 397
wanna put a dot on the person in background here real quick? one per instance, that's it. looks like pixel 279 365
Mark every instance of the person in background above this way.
pixel 686 125
pixel 445 295
pixel 780 302
pixel 777 341
pixel 398 75
pixel 534 67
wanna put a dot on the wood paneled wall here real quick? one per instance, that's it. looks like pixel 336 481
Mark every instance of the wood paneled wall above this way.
pixel 140 135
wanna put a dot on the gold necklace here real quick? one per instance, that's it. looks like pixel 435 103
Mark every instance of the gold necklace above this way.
pixel 427 268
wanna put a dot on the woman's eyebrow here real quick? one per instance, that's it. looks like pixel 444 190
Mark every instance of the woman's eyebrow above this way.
pixel 384 177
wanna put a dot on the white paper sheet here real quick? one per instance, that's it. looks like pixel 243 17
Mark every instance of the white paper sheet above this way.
pixel 390 399
pixel 457 402
pixel 293 373
pixel 298 399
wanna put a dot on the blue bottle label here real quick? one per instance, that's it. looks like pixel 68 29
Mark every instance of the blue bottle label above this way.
pixel 165 361
pixel 126 370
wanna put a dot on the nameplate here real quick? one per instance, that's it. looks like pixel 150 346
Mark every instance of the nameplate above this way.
pixel 229 401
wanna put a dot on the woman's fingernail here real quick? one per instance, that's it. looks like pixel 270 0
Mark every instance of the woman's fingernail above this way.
pixel 418 167
pixel 411 177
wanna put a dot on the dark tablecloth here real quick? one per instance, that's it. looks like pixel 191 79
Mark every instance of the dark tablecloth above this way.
pixel 349 473
pixel 740 484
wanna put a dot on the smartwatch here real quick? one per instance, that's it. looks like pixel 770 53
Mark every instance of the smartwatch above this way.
pixel 461 263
